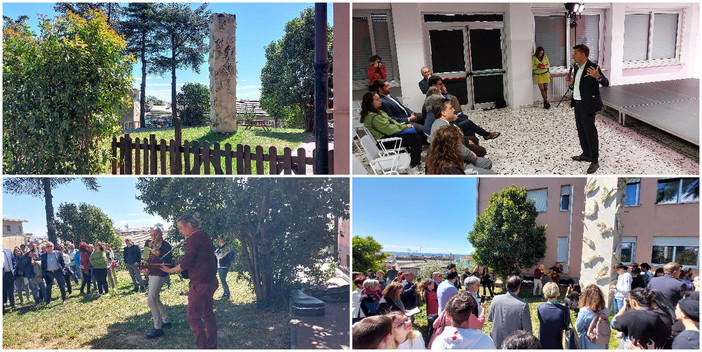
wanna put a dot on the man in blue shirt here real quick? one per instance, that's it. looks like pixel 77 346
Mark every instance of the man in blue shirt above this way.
pixel 447 290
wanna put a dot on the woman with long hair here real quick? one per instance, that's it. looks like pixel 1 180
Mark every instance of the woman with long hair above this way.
pixel 21 282
pixel 381 126
pixel 391 299
pixel 591 304
pixel 111 274
pixel 429 295
pixel 406 338
pixel 488 281
pixel 540 66
pixel 445 155
pixel 643 323
pixel 85 266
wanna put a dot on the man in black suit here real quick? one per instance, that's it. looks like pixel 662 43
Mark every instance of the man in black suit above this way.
pixel 587 102
pixel 52 268
pixel 669 285
pixel 424 83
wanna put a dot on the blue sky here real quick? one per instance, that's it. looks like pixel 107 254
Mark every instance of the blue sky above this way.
pixel 431 213
pixel 257 25
pixel 116 197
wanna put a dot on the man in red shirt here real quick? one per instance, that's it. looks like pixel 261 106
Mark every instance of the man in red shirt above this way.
pixel 200 261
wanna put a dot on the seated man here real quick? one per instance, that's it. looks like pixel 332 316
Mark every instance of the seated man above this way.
pixel 434 94
pixel 424 83
pixel 468 127
pixel 443 109
pixel 373 333
pixel 394 108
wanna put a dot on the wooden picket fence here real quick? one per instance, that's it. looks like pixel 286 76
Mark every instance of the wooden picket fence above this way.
pixel 151 157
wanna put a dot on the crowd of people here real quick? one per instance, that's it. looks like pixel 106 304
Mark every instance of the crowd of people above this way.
pixel 39 267
pixel 657 311
pixel 454 150
pixel 452 137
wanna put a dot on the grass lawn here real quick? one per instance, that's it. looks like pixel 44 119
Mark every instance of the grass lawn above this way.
pixel 277 137
pixel 119 321
pixel 420 321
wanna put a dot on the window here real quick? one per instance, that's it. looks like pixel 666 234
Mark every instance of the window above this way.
pixel 7 228
pixel 562 249
pixel 651 36
pixel 372 36
pixel 631 197
pixel 628 252
pixel 539 197
pixel 553 32
pixel 678 190
pixel 682 250
pixel 565 198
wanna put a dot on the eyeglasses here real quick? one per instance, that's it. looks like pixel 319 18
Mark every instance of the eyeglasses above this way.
pixel 401 323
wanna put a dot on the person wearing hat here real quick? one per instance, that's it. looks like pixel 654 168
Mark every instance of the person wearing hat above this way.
pixel 688 311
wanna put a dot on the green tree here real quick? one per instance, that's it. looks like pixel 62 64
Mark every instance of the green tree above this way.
pixel 366 252
pixel 194 107
pixel 63 92
pixel 280 229
pixel 287 78
pixel 112 10
pixel 85 222
pixel 41 188
pixel 139 27
pixel 427 269
pixel 183 37
pixel 506 237
pixel 17 24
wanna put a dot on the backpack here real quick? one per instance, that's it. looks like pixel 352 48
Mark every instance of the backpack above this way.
pixel 599 332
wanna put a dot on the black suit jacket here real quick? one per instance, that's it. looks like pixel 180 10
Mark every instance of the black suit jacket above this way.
pixel 393 110
pixel 424 85
pixel 59 260
pixel 589 89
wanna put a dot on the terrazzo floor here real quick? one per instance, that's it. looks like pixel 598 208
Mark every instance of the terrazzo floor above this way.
pixel 535 141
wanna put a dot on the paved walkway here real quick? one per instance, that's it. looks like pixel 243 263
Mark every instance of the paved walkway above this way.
pixel 535 141
pixel 330 331
pixel 310 145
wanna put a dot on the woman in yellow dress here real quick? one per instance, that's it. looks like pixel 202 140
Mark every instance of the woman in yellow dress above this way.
pixel 540 66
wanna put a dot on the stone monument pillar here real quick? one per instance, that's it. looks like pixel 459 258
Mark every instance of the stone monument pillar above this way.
pixel 602 232
pixel 223 72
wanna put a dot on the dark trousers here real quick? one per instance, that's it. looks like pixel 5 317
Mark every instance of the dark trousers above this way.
pixel 67 279
pixel 8 288
pixel 101 277
pixel 223 278
pixel 49 277
pixel 587 132
pixel 487 286
pixel 86 281
pixel 413 142
pixel 469 127
pixel 200 313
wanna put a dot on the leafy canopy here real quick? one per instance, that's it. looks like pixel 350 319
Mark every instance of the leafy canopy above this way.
pixel 194 106
pixel 287 78
pixel 63 91
pixel 506 237
pixel 281 230
pixel 367 254
pixel 85 222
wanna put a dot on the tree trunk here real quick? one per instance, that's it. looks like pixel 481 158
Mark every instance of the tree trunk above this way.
pixel 250 264
pixel 49 208
pixel 173 77
pixel 142 95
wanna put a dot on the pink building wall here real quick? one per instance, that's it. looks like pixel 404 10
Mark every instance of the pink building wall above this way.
pixel 342 88
pixel 646 221
pixel 344 242
pixel 558 221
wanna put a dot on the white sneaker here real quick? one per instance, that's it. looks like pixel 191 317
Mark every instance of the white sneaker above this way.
pixel 413 170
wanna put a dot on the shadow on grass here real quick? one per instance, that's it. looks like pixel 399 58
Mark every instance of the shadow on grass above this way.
pixel 287 136
pixel 239 326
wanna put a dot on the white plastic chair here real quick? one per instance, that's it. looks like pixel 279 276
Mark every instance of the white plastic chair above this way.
pixel 382 161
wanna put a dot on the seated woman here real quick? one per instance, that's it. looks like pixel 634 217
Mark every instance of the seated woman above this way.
pixel 391 299
pixel 376 70
pixel 459 336
pixel 445 154
pixel 553 318
pixel 406 338
pixel 381 126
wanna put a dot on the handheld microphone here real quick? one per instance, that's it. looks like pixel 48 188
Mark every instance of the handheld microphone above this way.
pixel 570 72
